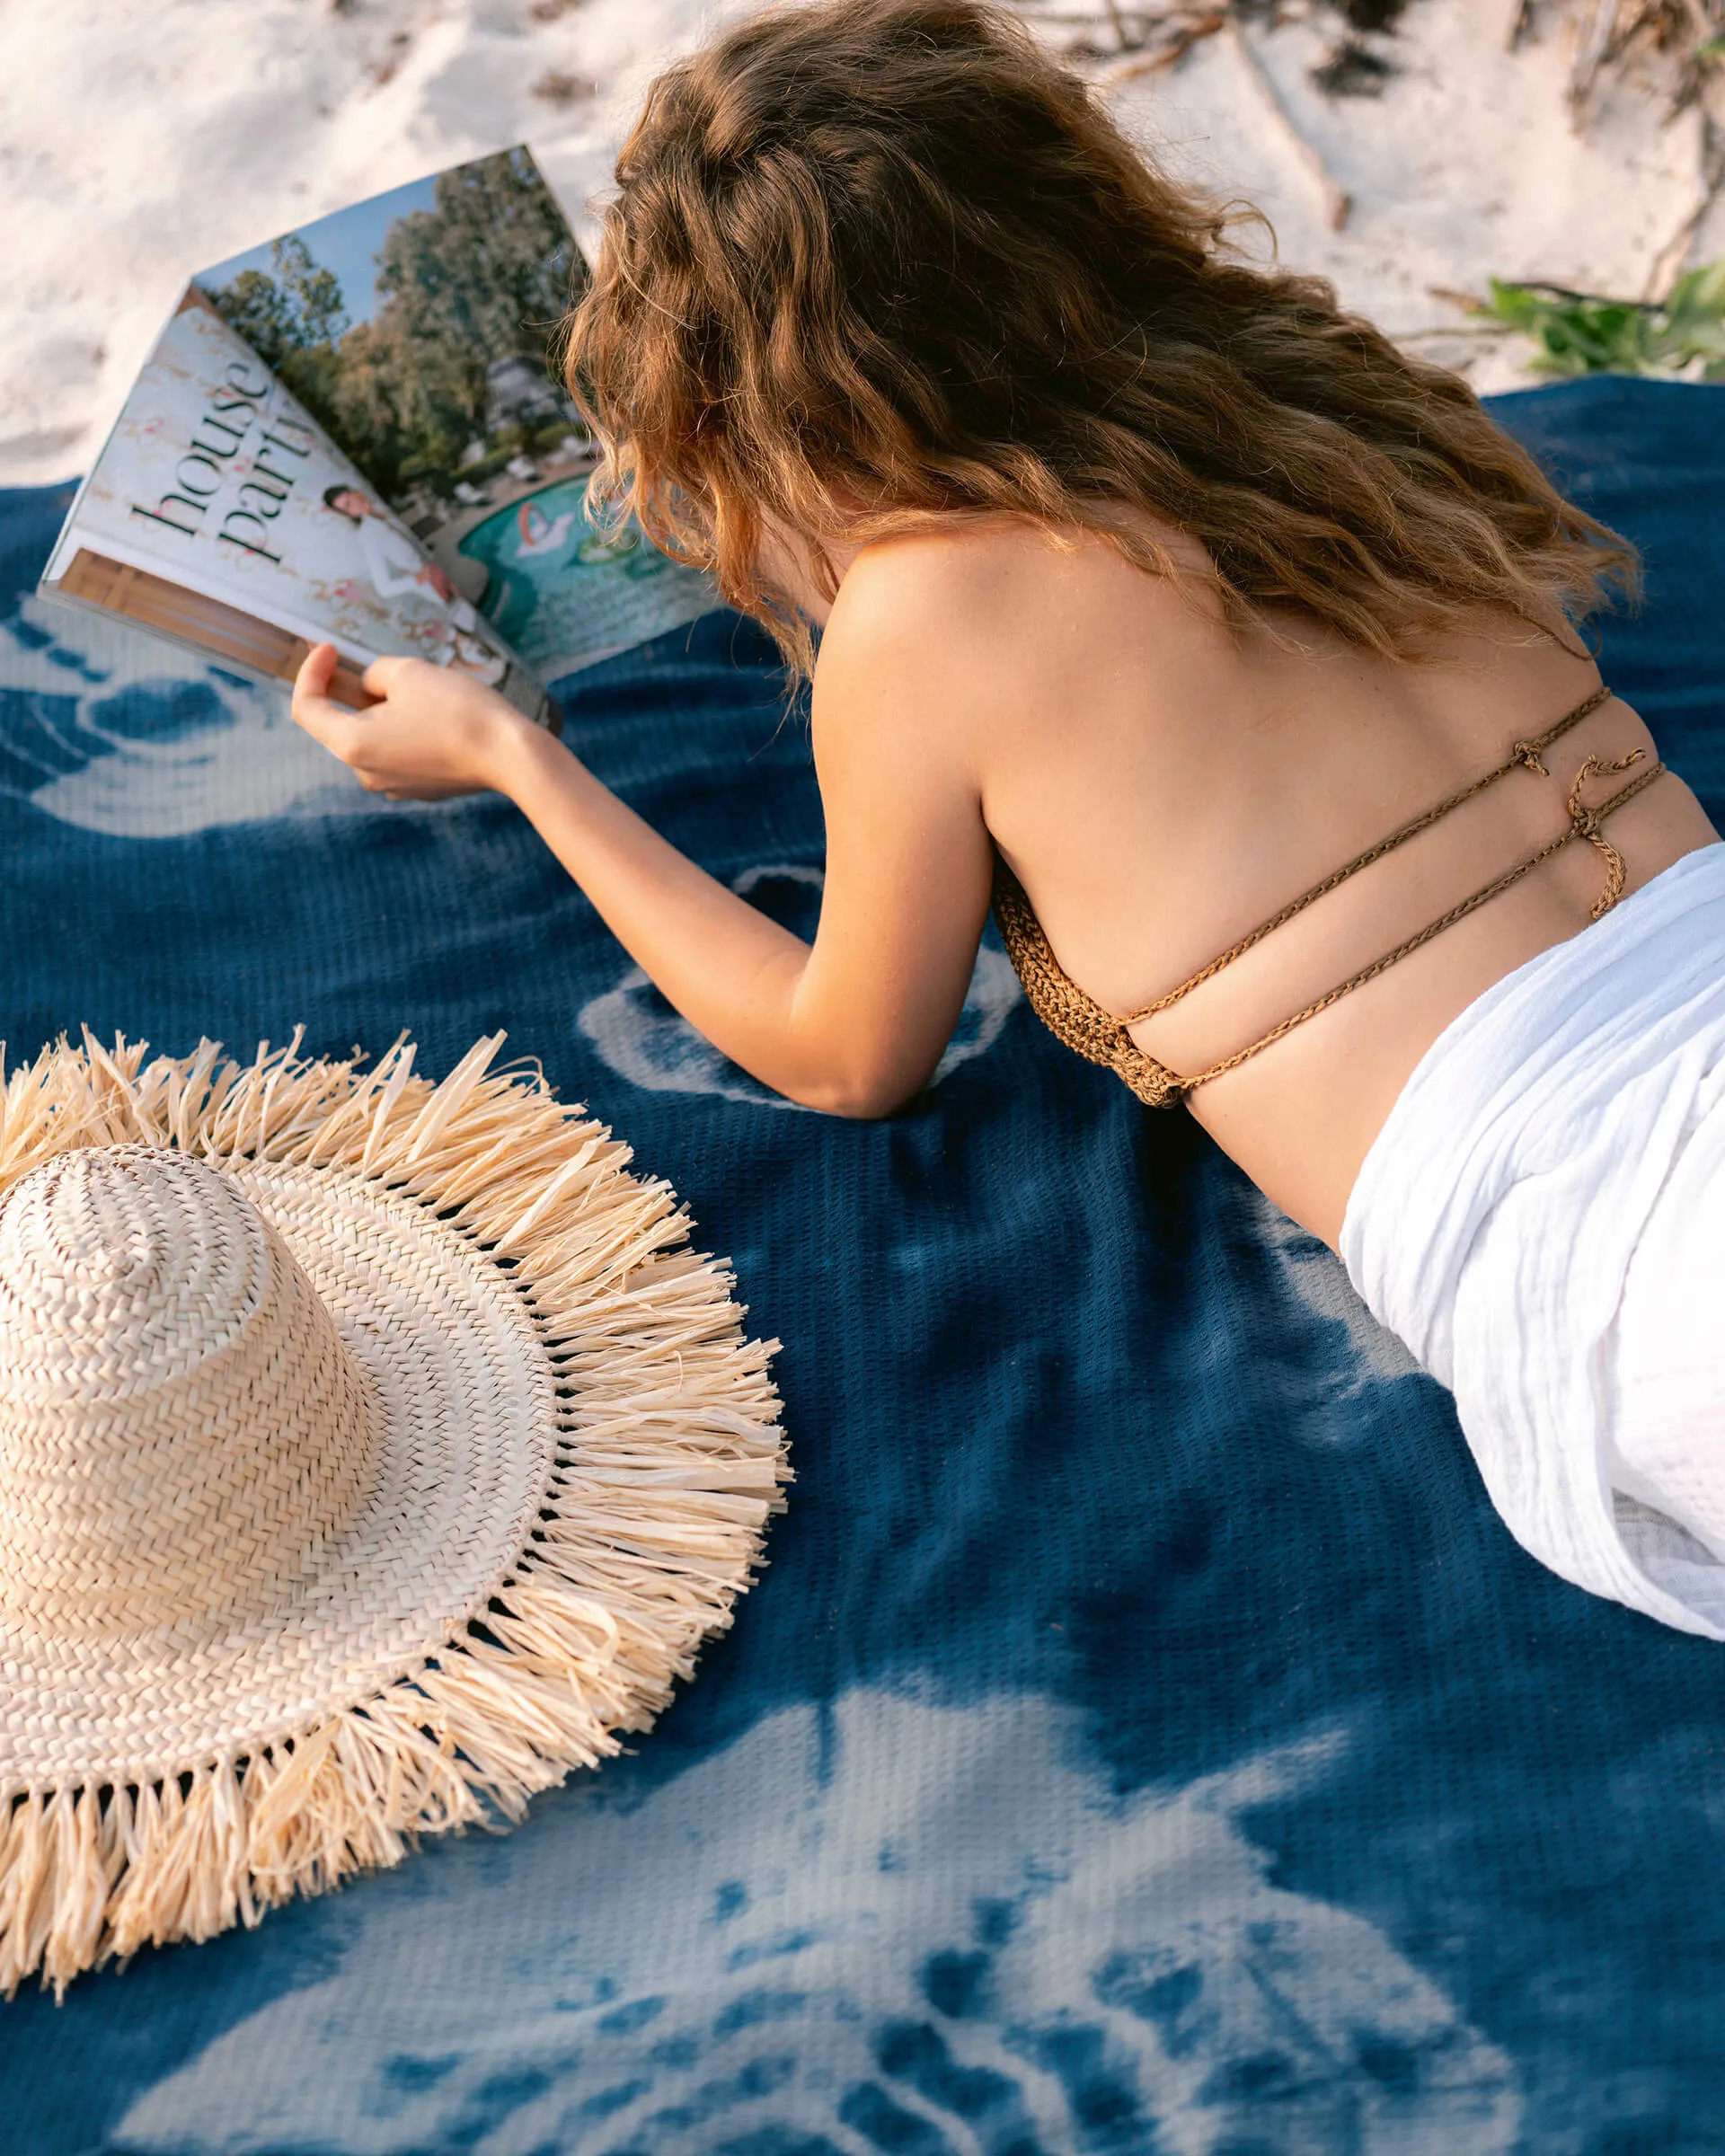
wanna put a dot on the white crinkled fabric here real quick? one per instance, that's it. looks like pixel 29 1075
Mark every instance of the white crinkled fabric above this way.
pixel 1542 1219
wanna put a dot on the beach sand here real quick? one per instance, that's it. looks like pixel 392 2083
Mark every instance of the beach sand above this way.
pixel 142 143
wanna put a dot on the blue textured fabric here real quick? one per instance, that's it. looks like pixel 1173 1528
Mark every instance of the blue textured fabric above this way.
pixel 1145 1737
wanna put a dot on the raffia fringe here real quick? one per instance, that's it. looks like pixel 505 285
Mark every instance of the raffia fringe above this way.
pixel 669 1463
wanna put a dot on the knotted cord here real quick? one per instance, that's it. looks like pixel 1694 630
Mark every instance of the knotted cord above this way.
pixel 1081 1023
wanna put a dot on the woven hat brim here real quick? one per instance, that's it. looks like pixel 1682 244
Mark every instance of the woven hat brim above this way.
pixel 608 1452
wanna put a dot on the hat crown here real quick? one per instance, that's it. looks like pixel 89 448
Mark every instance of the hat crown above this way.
pixel 64 1249
pixel 179 1421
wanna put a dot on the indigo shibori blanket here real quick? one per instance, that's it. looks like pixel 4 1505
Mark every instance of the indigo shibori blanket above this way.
pixel 1145 1737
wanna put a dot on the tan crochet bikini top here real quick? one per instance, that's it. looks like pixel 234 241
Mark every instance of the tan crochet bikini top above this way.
pixel 1072 1017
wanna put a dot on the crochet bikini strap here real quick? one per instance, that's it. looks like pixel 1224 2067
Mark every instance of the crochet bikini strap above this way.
pixel 1583 823
pixel 1523 756
pixel 1081 1023
pixel 1075 1019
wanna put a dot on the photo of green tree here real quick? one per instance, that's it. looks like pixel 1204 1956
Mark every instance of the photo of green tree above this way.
pixel 417 328
pixel 438 379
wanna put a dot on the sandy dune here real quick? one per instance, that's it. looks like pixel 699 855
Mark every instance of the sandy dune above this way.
pixel 141 142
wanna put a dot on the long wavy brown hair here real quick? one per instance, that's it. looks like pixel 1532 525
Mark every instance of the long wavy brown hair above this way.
pixel 874 264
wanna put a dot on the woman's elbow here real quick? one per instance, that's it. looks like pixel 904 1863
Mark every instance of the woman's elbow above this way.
pixel 860 1097
pixel 871 1107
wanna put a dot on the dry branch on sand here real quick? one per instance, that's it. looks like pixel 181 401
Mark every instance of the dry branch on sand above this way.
pixel 1126 42
pixel 1612 35
pixel 1685 39
pixel 1673 52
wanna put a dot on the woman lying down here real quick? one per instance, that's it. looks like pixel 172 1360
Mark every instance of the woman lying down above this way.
pixel 1233 657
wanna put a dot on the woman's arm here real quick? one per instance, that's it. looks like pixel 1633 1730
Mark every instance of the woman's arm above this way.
pixel 854 1024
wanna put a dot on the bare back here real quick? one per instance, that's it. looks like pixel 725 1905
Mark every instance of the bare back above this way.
pixel 1160 785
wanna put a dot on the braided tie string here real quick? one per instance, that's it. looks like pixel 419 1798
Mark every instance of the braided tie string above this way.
pixel 1079 1021
pixel 1525 756
pixel 1586 823
pixel 1583 823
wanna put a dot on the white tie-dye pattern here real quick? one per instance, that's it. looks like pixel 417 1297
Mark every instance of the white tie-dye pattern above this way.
pixel 250 761
pixel 890 1924
pixel 646 1042
pixel 1372 1354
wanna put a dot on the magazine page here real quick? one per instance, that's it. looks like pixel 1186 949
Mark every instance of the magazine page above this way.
pixel 221 514
pixel 416 328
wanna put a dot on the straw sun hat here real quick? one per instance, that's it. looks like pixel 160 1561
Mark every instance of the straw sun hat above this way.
pixel 371 1454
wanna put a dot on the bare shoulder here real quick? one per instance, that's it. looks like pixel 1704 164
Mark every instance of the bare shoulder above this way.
pixel 971 555
pixel 930 588
pixel 931 628
pixel 999 583
pixel 898 661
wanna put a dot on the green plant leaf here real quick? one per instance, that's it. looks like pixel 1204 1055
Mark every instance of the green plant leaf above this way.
pixel 1695 315
pixel 1515 305
pixel 1584 335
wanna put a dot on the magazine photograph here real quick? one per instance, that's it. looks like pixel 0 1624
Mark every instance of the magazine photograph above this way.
pixel 354 433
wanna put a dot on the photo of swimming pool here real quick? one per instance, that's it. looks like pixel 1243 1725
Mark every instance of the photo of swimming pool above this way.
pixel 565 595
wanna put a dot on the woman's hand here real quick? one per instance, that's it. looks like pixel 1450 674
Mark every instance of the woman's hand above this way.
pixel 431 734
pixel 853 1026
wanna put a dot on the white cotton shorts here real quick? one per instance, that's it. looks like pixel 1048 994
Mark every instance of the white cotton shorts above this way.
pixel 1542 1219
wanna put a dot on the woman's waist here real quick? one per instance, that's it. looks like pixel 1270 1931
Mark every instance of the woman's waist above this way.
pixel 1563 1089
pixel 1302 1115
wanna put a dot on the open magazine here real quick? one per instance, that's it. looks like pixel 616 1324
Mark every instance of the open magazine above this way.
pixel 354 435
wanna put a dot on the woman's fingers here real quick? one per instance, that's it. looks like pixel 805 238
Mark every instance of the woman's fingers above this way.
pixel 383 676
pixel 423 735
pixel 317 669
pixel 314 707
